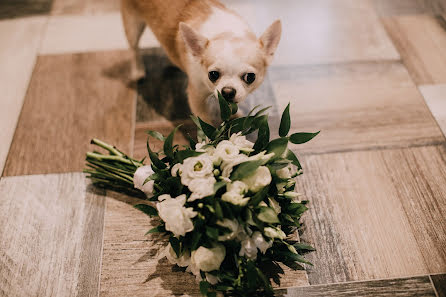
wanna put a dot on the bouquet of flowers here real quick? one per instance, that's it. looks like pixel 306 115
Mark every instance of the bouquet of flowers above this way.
pixel 226 205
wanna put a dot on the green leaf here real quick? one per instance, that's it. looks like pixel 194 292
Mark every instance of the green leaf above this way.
pixel 302 137
pixel 300 246
pixel 175 244
pixel 258 197
pixel 251 274
pixel 246 169
pixel 234 107
pixel 154 158
pixel 292 157
pixel 147 209
pixel 196 236
pixel 212 232
pixel 180 156
pixel 268 215
pixel 157 229
pixel 263 134
pixel 156 134
pixel 204 287
pixel 225 110
pixel 218 186
pixel 208 129
pixel 168 149
pixel 277 146
pixel 218 210
pixel 285 122
pixel 211 294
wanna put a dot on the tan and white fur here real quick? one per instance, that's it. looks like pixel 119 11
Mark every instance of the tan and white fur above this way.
pixel 203 37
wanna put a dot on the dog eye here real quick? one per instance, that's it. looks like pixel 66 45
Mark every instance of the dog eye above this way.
pixel 213 76
pixel 249 78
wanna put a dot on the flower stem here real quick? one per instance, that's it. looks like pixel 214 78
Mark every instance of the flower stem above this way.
pixel 106 146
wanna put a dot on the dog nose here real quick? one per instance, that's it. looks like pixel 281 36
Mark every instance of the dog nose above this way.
pixel 228 93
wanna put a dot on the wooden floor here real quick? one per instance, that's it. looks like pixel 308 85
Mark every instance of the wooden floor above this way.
pixel 370 74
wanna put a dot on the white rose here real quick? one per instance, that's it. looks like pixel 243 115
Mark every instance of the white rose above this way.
pixel 208 259
pixel 260 242
pixel 225 152
pixel 274 205
pixel 182 261
pixel 235 198
pixel 259 179
pixel 175 215
pixel 196 167
pixel 201 187
pixel 248 249
pixel 230 224
pixel 241 142
pixel 274 233
pixel 141 174
pixel 176 169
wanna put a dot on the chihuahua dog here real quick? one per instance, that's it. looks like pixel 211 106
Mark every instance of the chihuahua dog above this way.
pixel 213 45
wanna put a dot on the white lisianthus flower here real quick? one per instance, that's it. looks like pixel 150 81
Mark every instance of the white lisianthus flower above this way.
pixel 281 188
pixel 201 187
pixel 284 173
pixel 227 167
pixel 182 261
pixel 238 187
pixel 241 142
pixel 233 225
pixel 175 215
pixel 225 151
pixel 196 167
pixel 260 242
pixel 274 233
pixel 235 198
pixel 274 205
pixel 292 195
pixel 262 156
pixel 176 169
pixel 206 260
pixel 209 149
pixel 212 279
pixel 259 179
pixel 248 249
pixel 141 174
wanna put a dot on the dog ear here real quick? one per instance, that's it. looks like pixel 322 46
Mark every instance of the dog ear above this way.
pixel 270 40
pixel 194 41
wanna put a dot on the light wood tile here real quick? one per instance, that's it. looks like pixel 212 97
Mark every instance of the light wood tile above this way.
pixel 22 8
pixel 421 41
pixel 405 287
pixel 402 7
pixel 84 6
pixel 375 214
pixel 325 31
pixel 356 106
pixel 439 281
pixel 50 236
pixel 435 96
pixel 85 33
pixel 20 39
pixel 71 99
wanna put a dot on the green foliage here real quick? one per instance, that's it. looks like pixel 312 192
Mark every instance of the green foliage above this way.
pixel 285 122
pixel 302 137
pixel 147 209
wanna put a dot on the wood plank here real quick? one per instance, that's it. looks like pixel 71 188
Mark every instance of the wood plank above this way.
pixel 435 97
pixel 84 6
pixel 20 39
pixel 403 287
pixel 50 236
pixel 421 41
pixel 133 264
pixel 356 106
pixel 375 214
pixel 325 31
pixel 439 281
pixel 409 7
pixel 22 8
pixel 71 99
pixel 99 32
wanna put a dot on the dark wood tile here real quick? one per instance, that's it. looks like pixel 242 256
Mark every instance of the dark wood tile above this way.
pixel 439 281
pixel 22 8
pixel 162 94
pixel 71 99
pixel 84 6
pixel 404 287
pixel 50 236
pixel 375 214
pixel 401 7
pixel 421 41
pixel 356 106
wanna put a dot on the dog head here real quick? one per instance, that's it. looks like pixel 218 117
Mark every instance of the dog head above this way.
pixel 231 64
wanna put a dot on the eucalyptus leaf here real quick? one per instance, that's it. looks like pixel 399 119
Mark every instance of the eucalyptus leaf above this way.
pixel 285 122
pixel 302 137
